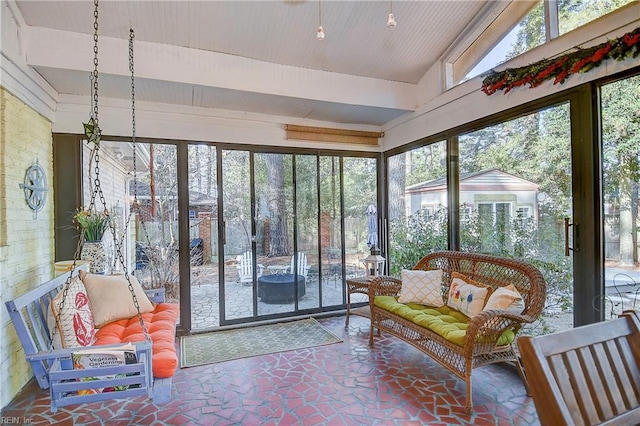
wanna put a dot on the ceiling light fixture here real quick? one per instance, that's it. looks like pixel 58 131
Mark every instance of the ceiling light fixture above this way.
pixel 320 34
pixel 391 22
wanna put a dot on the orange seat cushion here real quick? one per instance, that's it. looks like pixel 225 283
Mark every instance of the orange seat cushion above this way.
pixel 161 326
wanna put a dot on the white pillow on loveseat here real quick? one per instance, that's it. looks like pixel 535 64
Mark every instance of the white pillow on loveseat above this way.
pixel 466 295
pixel 422 287
pixel 507 299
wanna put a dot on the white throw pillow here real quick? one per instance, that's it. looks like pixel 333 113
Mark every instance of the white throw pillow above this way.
pixel 111 299
pixel 507 299
pixel 466 295
pixel 74 326
pixel 423 287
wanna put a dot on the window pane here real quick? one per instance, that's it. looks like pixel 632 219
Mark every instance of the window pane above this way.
pixel 306 183
pixel 621 191
pixel 203 235
pixel 237 233
pixel 331 231
pixel 417 205
pixel 274 232
pixel 529 33
pixel 360 216
pixel 576 13
pixel 515 168
pixel 157 263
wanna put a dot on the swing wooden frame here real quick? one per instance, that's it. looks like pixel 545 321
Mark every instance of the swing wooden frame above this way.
pixel 52 368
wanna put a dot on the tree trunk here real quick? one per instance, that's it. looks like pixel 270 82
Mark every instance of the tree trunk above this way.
pixel 278 228
pixel 152 185
pixel 627 228
pixel 397 179
pixel 211 158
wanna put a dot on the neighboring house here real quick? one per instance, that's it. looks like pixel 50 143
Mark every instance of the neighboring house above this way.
pixel 489 192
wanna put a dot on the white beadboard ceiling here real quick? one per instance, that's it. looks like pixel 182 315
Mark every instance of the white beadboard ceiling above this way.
pixel 362 73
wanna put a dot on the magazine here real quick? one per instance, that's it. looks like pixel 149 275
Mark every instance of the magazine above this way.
pixel 98 358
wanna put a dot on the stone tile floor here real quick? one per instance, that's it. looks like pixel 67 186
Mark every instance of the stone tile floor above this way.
pixel 341 384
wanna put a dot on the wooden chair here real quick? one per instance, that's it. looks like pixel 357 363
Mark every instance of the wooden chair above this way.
pixel 303 265
pixel 589 375
pixel 245 268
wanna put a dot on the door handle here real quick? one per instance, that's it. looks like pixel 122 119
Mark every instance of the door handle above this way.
pixel 576 237
pixel 224 232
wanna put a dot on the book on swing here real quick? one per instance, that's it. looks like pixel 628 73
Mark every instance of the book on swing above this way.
pixel 99 358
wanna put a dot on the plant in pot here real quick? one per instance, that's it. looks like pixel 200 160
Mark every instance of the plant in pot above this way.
pixel 92 226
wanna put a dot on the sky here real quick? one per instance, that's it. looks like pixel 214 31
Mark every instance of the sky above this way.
pixel 496 55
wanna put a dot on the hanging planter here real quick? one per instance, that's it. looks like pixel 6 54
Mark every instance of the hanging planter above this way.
pixel 95 253
pixel 92 226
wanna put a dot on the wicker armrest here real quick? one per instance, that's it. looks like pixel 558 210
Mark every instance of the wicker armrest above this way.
pixel 384 286
pixel 486 328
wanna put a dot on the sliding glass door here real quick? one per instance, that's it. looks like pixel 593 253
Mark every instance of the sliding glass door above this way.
pixel 275 234
pixel 620 141
pixel 203 233
pixel 238 231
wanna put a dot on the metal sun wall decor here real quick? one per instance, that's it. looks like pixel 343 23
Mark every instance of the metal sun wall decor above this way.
pixel 35 187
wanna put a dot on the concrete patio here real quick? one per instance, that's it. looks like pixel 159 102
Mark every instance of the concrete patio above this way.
pixel 205 299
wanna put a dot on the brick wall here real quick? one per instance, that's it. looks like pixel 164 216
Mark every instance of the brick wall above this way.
pixel 113 182
pixel 26 242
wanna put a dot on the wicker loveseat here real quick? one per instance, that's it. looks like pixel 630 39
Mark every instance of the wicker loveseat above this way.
pixel 467 343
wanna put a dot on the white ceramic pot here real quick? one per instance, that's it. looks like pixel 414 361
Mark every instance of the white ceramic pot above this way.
pixel 94 252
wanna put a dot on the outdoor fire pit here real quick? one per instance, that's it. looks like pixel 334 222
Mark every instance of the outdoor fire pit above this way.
pixel 279 288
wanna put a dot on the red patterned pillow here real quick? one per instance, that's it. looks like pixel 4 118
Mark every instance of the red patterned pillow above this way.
pixel 71 324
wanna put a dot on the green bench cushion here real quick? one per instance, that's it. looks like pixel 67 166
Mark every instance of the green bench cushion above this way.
pixel 444 321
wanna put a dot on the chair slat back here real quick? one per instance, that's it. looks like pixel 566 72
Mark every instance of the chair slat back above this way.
pixel 246 264
pixel 586 376
pixel 303 266
pixel 28 314
pixel 38 320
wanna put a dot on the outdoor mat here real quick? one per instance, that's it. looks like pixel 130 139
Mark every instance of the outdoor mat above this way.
pixel 218 346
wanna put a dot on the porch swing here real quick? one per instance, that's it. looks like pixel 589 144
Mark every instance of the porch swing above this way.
pixel 53 367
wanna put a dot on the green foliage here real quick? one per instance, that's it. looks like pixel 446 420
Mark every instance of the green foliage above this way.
pixel 411 240
pixel 539 244
pixel 562 67
pixel 576 13
pixel 620 105
pixel 91 224
pixel 427 163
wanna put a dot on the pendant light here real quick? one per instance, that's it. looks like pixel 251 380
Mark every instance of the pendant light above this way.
pixel 320 34
pixel 391 22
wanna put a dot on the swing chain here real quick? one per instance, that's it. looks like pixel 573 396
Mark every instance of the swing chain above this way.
pixel 133 136
pixel 97 190
pixel 133 88
pixel 133 120
pixel 94 114
pixel 95 65
pixel 135 182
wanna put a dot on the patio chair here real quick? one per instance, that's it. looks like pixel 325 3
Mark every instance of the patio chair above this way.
pixel 588 375
pixel 303 265
pixel 245 268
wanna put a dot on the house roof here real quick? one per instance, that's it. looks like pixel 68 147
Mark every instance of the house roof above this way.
pixel 256 56
pixel 486 180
